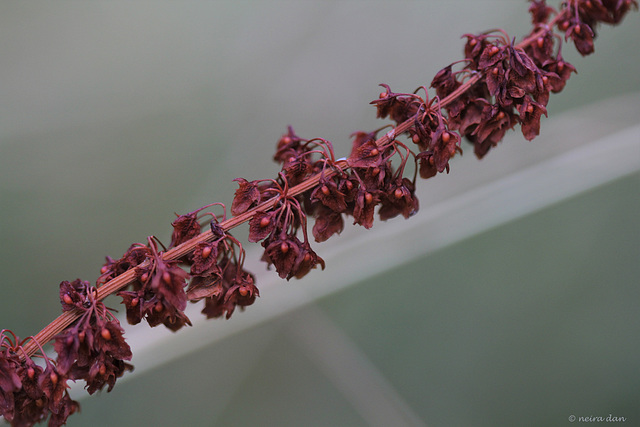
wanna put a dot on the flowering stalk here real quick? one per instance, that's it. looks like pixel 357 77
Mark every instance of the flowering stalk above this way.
pixel 500 85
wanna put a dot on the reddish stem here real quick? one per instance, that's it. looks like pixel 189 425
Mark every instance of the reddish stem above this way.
pixel 186 248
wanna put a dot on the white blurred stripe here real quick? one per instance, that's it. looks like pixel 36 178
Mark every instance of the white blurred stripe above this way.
pixel 350 370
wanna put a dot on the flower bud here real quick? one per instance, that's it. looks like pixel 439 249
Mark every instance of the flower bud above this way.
pixel 106 334
pixel 206 251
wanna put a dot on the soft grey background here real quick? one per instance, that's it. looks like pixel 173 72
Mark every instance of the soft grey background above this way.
pixel 115 115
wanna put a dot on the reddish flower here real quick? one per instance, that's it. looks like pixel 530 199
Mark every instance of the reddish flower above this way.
pixel 54 386
pixel 262 225
pixel 496 81
pixel 283 253
pixel 468 117
pixel 327 193
pixel 365 204
pixel 540 12
pixel 168 281
pixel 559 72
pixel 582 36
pixel 216 307
pixel 530 113
pixel 296 168
pixel 542 50
pixel 583 17
pixel 247 196
pixel 619 8
pixel 427 166
pixel 473 49
pixel 28 411
pixel 445 82
pixel 134 256
pixel 9 383
pixel 399 199
pixel 288 143
pixel 29 374
pixel 365 154
pixel 375 178
pixel 348 185
pixel 492 55
pixel 95 337
pixel 109 339
pixel 22 399
pixel 306 261
pixel 67 408
pixel 235 288
pixel 242 291
pixel 443 146
pixel 70 347
pixel 103 370
pixel 185 227
pixel 159 295
pixel 496 121
pixel 510 73
pixel 422 131
pixel 327 223
pixel 75 295
pixel 135 302
pixel 525 70
pixel 205 286
pixel 159 311
pixel 398 106
pixel 205 259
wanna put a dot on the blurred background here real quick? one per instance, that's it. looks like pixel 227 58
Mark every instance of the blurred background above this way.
pixel 511 298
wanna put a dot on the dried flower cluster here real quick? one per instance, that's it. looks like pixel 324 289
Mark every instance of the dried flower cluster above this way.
pixel 92 349
pixel 499 85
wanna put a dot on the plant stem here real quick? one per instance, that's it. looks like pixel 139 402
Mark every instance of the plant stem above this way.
pixel 114 285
